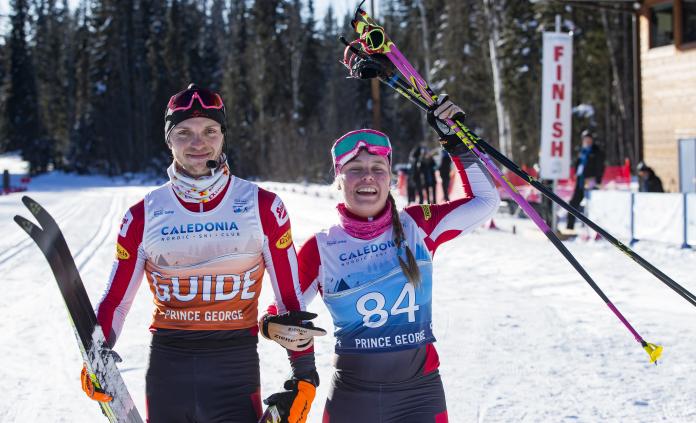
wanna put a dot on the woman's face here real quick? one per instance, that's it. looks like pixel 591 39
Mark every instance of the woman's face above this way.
pixel 365 184
pixel 195 141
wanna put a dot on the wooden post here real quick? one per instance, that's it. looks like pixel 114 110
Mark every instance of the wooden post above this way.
pixel 374 88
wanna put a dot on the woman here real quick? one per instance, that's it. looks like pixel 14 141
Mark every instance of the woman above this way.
pixel 204 240
pixel 374 271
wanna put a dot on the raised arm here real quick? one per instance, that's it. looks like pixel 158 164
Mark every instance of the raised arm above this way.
pixel 442 222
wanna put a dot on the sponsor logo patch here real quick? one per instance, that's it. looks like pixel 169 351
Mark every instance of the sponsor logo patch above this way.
pixel 284 241
pixel 121 252
pixel 278 210
pixel 125 224
pixel 366 251
pixel 426 211
pixel 186 228
pixel 240 206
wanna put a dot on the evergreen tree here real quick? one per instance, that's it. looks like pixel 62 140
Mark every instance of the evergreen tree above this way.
pixel 160 82
pixel 89 89
pixel 175 45
pixel 462 66
pixel 192 24
pixel 266 76
pixel 50 51
pixel 212 52
pixel 236 91
pixel 24 130
pixel 520 50
pixel 81 146
pixel 3 100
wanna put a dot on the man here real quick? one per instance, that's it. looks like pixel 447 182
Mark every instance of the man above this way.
pixel 445 169
pixel 648 181
pixel 589 168
pixel 204 240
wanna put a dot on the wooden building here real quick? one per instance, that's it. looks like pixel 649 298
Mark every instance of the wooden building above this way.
pixel 668 84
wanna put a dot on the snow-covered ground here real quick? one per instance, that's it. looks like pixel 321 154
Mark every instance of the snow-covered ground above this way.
pixel 521 337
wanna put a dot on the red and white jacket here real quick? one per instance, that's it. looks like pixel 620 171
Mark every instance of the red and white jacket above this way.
pixel 204 262
pixel 365 290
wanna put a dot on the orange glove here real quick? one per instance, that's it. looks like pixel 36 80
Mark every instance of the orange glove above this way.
pixel 89 381
pixel 294 403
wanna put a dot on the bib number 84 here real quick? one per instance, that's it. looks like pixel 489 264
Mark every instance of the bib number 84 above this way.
pixel 407 295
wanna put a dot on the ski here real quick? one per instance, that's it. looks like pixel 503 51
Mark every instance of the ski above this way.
pixel 271 415
pixel 375 46
pixel 405 89
pixel 97 356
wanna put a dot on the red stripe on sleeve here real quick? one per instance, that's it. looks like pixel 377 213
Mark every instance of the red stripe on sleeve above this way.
pixel 276 227
pixel 129 239
pixel 309 261
pixel 468 193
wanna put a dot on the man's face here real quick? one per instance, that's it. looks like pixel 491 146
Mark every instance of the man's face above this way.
pixel 586 141
pixel 195 141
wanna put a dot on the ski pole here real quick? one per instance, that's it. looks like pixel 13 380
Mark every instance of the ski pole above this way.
pixel 406 90
pixel 373 39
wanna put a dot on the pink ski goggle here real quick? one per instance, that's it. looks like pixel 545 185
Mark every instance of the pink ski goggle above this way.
pixel 348 146
pixel 184 100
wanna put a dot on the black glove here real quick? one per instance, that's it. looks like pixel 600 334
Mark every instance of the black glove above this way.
pixel 292 330
pixel 293 404
pixel 443 109
pixel 369 67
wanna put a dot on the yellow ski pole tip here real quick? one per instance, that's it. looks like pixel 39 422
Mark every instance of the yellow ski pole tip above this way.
pixel 654 351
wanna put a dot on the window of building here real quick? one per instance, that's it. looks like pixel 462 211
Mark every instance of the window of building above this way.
pixel 688 21
pixel 661 25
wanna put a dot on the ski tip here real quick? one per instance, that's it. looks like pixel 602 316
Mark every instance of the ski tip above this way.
pixel 32 205
pixel 24 224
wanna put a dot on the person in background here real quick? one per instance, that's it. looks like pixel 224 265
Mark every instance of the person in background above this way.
pixel 445 169
pixel 428 169
pixel 589 168
pixel 5 181
pixel 648 181
pixel 410 185
pixel 415 174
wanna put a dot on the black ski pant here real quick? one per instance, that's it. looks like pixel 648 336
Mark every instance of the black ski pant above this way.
pixel 445 187
pixel 575 201
pixel 419 400
pixel 215 385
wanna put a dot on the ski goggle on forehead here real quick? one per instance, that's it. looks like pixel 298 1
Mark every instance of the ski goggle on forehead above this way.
pixel 348 146
pixel 184 100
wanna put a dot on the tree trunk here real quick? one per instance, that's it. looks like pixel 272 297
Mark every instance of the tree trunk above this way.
pixel 426 51
pixel 503 114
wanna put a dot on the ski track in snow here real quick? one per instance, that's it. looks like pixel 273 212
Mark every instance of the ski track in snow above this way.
pixel 521 336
